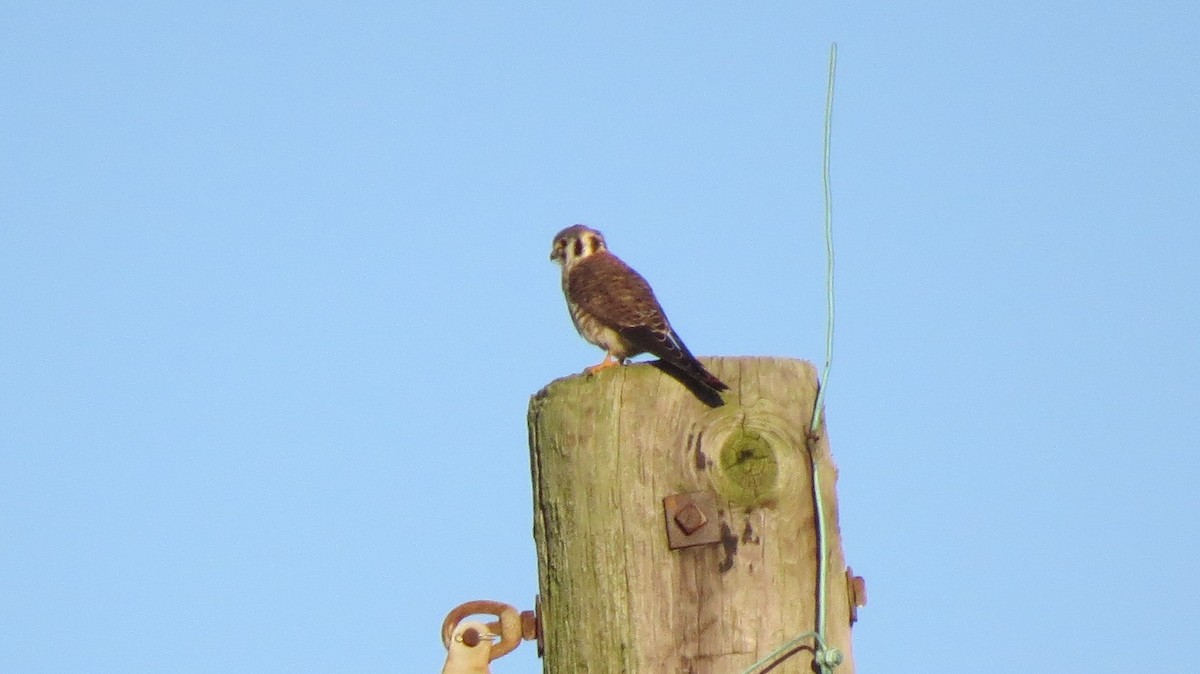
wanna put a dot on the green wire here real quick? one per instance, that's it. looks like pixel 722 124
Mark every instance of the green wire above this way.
pixel 816 419
pixel 826 658
pixel 820 510
pixel 774 655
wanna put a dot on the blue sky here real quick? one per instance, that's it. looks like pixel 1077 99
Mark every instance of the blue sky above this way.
pixel 274 294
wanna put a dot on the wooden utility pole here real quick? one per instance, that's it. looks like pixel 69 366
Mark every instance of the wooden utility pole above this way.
pixel 607 449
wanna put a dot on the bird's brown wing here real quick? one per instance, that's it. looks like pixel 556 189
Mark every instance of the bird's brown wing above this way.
pixel 617 296
pixel 614 294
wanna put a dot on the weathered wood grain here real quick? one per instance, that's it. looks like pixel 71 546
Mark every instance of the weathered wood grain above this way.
pixel 607 448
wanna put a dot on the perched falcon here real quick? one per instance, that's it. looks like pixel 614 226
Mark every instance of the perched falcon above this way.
pixel 614 308
pixel 470 649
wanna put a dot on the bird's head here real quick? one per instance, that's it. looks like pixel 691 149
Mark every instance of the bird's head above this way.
pixel 575 243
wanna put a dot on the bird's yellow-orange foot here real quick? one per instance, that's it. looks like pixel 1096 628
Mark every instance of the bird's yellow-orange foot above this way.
pixel 608 362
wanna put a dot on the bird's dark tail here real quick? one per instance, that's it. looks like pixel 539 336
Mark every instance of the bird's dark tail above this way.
pixel 702 383
pixel 695 370
pixel 677 361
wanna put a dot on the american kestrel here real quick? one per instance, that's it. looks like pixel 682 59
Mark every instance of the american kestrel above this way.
pixel 470 649
pixel 614 308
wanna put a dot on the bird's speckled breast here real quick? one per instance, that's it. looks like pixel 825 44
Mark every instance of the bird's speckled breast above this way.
pixel 596 332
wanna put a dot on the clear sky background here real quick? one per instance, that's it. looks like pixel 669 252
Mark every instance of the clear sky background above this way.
pixel 274 294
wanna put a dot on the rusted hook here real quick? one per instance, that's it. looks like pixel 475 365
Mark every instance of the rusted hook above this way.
pixel 508 626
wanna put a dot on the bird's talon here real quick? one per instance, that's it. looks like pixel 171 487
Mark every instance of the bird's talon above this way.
pixel 608 362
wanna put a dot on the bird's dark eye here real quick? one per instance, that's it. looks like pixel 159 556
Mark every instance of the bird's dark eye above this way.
pixel 578 247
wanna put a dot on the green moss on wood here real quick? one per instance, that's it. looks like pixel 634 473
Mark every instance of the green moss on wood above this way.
pixel 749 468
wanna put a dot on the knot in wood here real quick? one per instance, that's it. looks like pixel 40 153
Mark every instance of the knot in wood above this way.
pixel 750 468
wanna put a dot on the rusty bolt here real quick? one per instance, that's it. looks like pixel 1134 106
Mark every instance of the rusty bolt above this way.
pixel 537 625
pixel 690 518
pixel 529 625
pixel 471 637
pixel 856 593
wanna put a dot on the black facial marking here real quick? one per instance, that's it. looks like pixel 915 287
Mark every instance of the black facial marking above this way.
pixel 578 247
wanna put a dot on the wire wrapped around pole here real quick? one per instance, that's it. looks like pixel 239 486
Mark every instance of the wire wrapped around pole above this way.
pixel 824 657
